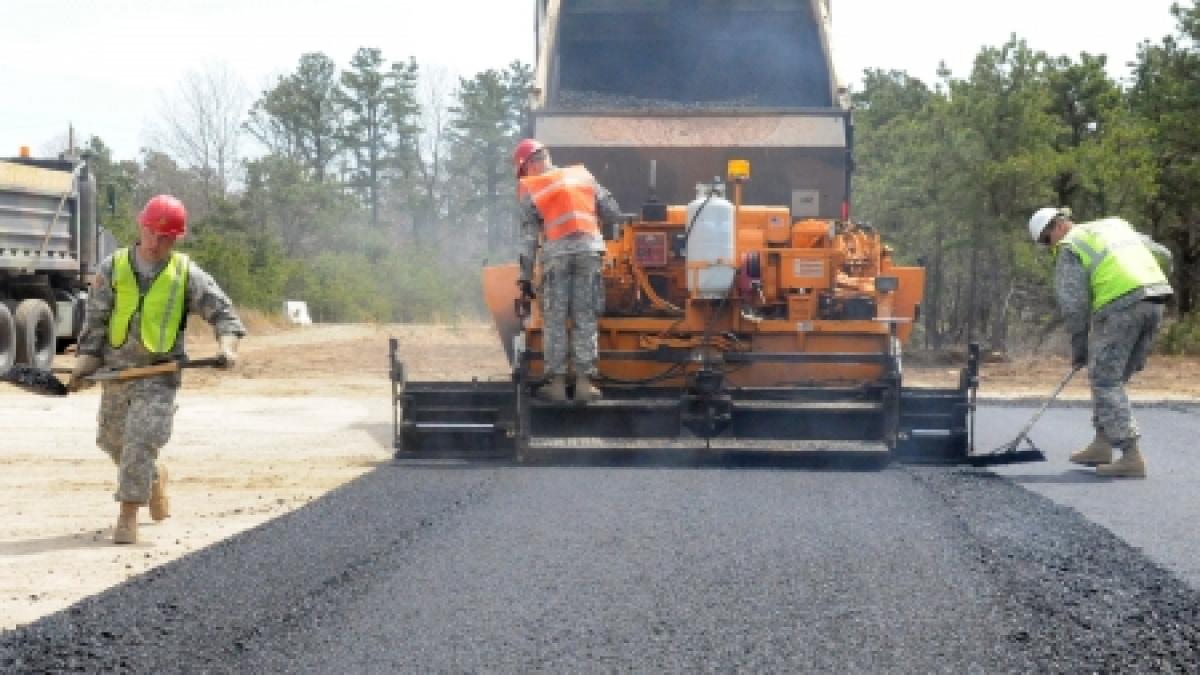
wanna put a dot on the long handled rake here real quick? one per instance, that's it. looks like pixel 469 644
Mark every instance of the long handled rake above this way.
pixel 1011 452
pixel 44 382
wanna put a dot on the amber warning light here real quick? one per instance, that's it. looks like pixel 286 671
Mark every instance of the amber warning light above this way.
pixel 738 170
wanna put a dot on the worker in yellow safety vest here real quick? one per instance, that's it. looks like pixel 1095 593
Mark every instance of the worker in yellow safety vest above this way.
pixel 1111 288
pixel 136 311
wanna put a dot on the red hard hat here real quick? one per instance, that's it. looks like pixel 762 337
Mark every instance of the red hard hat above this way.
pixel 524 151
pixel 165 215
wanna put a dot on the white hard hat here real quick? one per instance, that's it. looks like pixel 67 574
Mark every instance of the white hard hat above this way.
pixel 1043 217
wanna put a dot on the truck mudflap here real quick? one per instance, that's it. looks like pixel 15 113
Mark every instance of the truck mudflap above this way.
pixel 503 419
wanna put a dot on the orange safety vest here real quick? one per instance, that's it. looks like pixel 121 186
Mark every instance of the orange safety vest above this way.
pixel 566 199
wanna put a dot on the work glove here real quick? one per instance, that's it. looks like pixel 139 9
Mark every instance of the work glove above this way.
pixel 85 364
pixel 526 287
pixel 227 345
pixel 1079 351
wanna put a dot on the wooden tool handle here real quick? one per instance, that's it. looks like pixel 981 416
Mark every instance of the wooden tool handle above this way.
pixel 158 368
pixel 140 371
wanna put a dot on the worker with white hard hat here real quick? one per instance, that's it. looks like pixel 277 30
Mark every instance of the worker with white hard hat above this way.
pixel 1111 288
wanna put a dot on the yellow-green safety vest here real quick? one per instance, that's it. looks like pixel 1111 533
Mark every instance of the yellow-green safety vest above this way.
pixel 1115 257
pixel 162 307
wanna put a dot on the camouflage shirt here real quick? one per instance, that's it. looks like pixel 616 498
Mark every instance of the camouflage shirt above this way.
pixel 203 296
pixel 608 212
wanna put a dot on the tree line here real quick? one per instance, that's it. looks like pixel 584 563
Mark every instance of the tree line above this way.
pixel 951 171
pixel 378 193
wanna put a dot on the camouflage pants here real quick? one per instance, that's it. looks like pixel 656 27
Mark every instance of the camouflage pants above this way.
pixel 571 288
pixel 134 424
pixel 1117 348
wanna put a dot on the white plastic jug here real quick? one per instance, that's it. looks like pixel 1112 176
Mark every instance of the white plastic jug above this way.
pixel 711 243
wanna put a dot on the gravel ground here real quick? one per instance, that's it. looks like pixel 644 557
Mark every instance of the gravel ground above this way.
pixel 765 567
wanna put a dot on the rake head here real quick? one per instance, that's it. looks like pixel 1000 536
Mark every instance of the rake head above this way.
pixel 1009 453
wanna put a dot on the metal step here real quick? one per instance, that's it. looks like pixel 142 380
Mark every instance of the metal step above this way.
pixel 608 404
pixel 809 406
pixel 460 427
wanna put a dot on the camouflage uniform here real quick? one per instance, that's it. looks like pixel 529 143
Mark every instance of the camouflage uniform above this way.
pixel 1122 333
pixel 571 287
pixel 136 416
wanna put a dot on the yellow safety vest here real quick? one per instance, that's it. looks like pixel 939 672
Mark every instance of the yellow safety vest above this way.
pixel 162 307
pixel 1115 257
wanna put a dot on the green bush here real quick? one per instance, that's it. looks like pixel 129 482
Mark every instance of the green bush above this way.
pixel 409 286
pixel 1181 337
pixel 251 270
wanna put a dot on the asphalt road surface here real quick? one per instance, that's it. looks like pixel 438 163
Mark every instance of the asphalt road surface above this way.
pixel 1160 515
pixel 761 566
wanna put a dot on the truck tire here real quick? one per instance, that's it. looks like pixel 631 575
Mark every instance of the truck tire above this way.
pixel 8 339
pixel 36 341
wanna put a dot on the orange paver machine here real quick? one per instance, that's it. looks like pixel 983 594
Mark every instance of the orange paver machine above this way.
pixel 726 327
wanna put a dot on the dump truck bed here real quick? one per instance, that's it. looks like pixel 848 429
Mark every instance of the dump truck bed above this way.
pixel 38 219
pixel 691 86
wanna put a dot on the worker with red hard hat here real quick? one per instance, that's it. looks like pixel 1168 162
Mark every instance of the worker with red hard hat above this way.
pixel 136 311
pixel 165 215
pixel 562 210
pixel 523 152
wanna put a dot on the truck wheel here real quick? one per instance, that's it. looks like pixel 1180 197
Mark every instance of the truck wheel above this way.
pixel 36 340
pixel 8 339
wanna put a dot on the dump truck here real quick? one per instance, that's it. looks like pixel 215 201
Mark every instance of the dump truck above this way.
pixel 50 244
pixel 744 309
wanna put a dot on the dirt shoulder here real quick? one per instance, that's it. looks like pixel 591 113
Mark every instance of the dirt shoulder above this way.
pixel 1166 378
pixel 307 410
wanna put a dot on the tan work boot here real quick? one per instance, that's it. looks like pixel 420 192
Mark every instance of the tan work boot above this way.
pixel 555 391
pixel 585 391
pixel 1099 451
pixel 126 530
pixel 160 506
pixel 1129 466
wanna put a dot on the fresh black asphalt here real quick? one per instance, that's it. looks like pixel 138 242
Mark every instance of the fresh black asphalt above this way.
pixel 759 565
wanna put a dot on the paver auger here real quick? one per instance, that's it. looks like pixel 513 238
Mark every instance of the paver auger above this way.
pixel 726 327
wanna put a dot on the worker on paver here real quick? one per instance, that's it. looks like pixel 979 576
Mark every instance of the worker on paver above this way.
pixel 1111 278
pixel 565 207
pixel 136 315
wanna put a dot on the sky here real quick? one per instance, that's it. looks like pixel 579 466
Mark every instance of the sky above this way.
pixel 106 67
